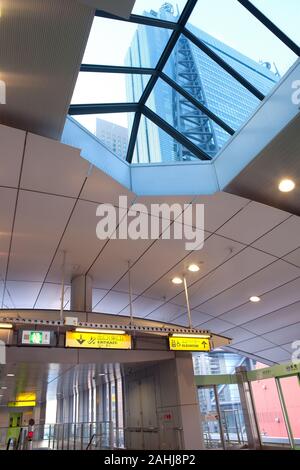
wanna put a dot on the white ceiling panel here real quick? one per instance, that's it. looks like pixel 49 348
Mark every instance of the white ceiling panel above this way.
pixel 294 257
pixel 113 302
pixel 7 206
pixel 98 294
pixel 197 317
pixel 219 207
pixel 252 222
pixel 268 278
pixel 238 334
pixel 284 335
pixel 102 188
pixel 235 269
pixel 254 345
pixel 161 257
pixel 112 264
pixel 50 296
pixel 275 320
pixel 215 325
pixel 40 221
pixel 215 251
pixel 11 153
pixel 282 239
pixel 276 355
pixel 80 243
pixel 23 293
pixel 167 313
pixel 142 306
pixel 181 201
pixel 52 167
pixel 274 300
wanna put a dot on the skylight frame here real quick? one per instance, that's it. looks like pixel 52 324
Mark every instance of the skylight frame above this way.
pixel 178 28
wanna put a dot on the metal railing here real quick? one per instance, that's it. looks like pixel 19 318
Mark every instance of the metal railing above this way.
pixel 93 436
pixel 63 436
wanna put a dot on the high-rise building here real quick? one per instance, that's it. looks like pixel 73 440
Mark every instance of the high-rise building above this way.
pixel 201 77
pixel 113 136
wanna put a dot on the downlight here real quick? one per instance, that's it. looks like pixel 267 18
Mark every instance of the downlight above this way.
pixel 286 185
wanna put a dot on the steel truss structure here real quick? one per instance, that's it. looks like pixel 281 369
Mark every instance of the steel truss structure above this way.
pixel 191 115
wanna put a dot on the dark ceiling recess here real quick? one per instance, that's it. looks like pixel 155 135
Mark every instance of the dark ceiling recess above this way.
pixel 280 159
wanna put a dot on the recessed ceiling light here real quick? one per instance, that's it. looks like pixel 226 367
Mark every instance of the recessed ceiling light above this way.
pixel 194 268
pixel 6 326
pixel 10 375
pixel 254 298
pixel 94 330
pixel 101 375
pixel 286 185
pixel 3 388
pixel 177 280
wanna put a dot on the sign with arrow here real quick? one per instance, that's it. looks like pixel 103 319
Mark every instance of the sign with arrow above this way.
pixel 189 343
pixel 75 339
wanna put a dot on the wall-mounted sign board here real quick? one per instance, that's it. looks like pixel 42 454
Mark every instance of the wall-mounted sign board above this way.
pixel 189 344
pixel 97 340
pixel 37 337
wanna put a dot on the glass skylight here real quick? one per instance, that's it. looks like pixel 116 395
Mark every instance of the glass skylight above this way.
pixel 177 79
pixel 169 13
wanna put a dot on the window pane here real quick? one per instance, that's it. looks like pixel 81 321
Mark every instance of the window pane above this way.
pixel 186 118
pixel 155 146
pixel 114 42
pixel 242 41
pixel 284 14
pixel 97 87
pixel 291 393
pixel 113 130
pixel 206 81
pixel 269 413
pixel 159 10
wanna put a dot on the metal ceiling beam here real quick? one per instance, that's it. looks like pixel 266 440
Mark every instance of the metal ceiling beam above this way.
pixel 139 19
pixel 165 126
pixel 116 69
pixel 80 109
pixel 197 104
pixel 271 26
pixel 133 136
pixel 216 58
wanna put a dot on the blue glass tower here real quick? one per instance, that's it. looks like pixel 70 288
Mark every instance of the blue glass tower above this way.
pixel 202 78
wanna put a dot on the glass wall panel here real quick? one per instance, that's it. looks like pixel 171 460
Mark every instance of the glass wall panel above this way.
pixel 209 418
pixel 242 41
pixel 186 119
pixel 269 414
pixel 290 387
pixel 211 85
pixel 154 145
pixel 98 87
pixel 113 130
pixel 232 417
pixel 158 9
pixel 283 13
pixel 113 42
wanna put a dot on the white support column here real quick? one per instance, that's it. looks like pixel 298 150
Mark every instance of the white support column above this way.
pixel 81 293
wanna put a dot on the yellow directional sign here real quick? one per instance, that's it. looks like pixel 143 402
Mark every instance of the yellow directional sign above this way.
pixel 97 340
pixel 189 344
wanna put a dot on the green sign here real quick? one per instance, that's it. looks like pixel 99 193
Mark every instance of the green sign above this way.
pixel 36 337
